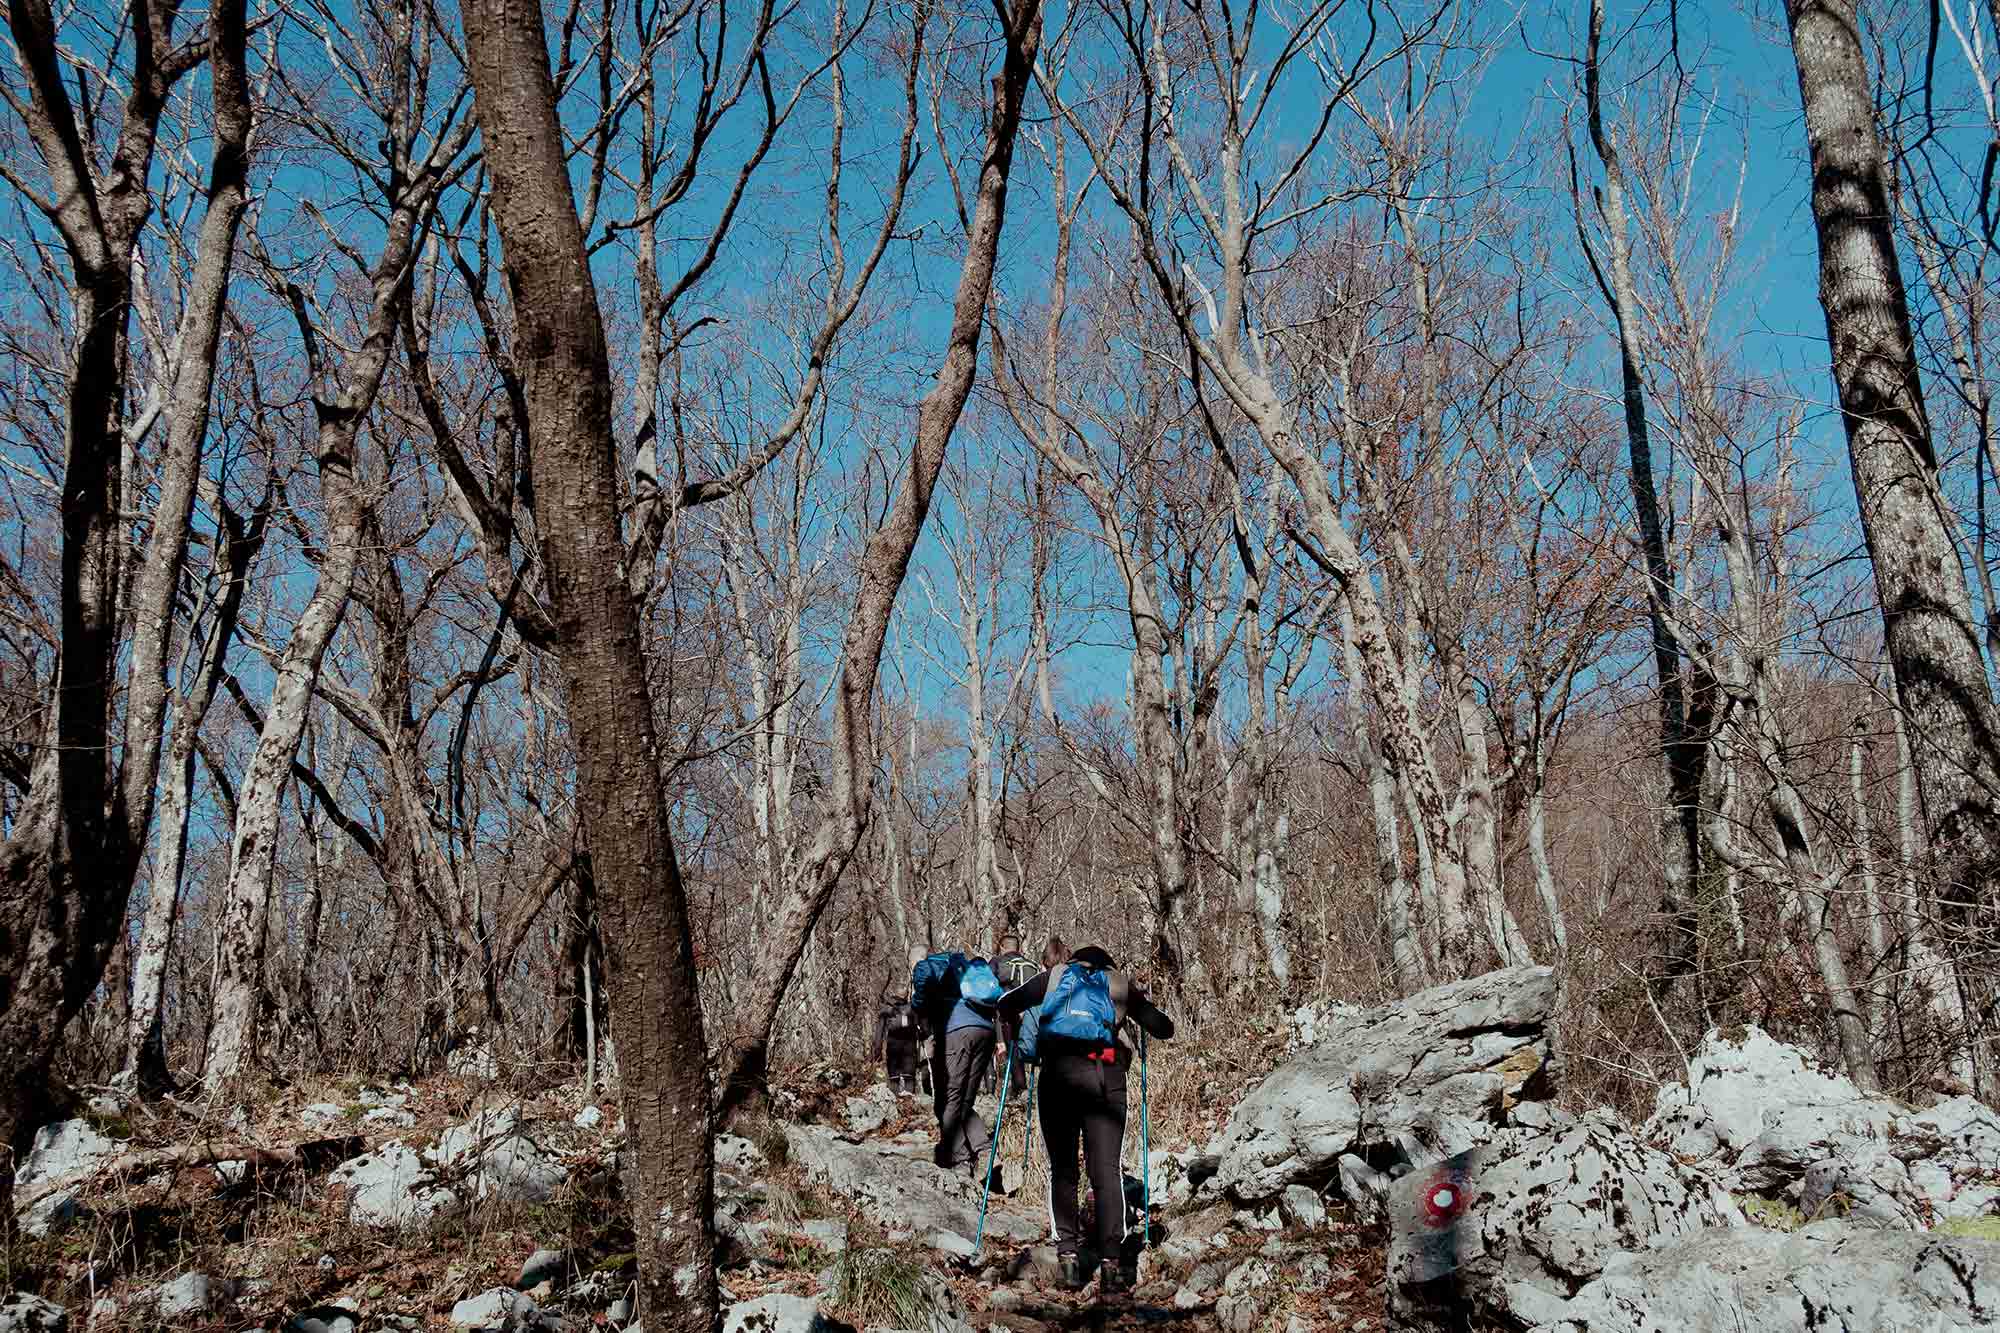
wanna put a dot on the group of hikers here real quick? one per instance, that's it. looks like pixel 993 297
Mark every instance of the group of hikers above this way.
pixel 967 1020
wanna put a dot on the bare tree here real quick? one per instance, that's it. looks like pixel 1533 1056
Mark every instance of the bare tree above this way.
pixel 66 869
pixel 885 561
pixel 1933 640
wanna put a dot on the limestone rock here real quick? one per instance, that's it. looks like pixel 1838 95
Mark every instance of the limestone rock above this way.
pixel 777 1313
pixel 394 1116
pixel 391 1187
pixel 1302 1208
pixel 1864 1184
pixel 68 1148
pixel 1532 1216
pixel 498 1158
pixel 1432 1074
pixel 323 1319
pixel 187 1295
pixel 1313 1023
pixel 1829 1277
pixel 22 1313
pixel 872 1110
pixel 919 1197
pixel 473 1060
pixel 1245 1293
pixel 1750 1094
pixel 542 1266
pixel 318 1115
pixel 500 1310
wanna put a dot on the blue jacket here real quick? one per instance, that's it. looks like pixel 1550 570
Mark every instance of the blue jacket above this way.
pixel 963 1015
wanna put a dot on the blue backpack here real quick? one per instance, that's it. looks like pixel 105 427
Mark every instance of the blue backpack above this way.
pixel 934 985
pixel 1080 1008
pixel 977 985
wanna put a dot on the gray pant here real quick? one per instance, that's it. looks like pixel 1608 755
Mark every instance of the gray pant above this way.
pixel 962 1135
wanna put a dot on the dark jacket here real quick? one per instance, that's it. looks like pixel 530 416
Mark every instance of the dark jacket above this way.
pixel 885 1033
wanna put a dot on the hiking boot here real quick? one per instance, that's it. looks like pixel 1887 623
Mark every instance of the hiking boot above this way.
pixel 1072 1276
pixel 1114 1280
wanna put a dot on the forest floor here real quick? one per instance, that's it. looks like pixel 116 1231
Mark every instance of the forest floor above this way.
pixel 279 1249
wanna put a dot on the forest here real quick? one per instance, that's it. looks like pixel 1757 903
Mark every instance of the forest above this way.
pixel 587 529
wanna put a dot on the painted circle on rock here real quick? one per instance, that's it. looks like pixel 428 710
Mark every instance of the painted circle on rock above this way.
pixel 1444 1199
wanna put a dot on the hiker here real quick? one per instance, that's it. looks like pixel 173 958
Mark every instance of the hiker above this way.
pixel 930 979
pixel 1015 969
pixel 898 1032
pixel 956 995
pixel 1085 1053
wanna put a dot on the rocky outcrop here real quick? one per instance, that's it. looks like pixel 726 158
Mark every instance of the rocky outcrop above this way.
pixel 391 1187
pixel 492 1156
pixel 22 1313
pixel 909 1194
pixel 1765 1119
pixel 1830 1277
pixel 1505 1234
pixel 1424 1077
pixel 60 1151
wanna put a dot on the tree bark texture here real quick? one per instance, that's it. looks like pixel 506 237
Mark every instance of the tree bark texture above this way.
pixel 66 871
pixel 560 349
pixel 1933 640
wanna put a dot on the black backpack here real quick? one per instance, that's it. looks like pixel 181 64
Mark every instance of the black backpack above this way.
pixel 902 1024
pixel 1015 969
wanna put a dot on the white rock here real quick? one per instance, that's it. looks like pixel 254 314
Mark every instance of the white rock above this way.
pixel 1530 1217
pixel 472 1061
pixel 62 1150
pixel 1829 1277
pixel 1864 1184
pixel 323 1319
pixel 394 1116
pixel 542 1266
pixel 1244 1296
pixel 1738 1082
pixel 776 1313
pixel 1302 1208
pixel 22 1313
pixel 188 1294
pixel 1425 1076
pixel 391 1187
pixel 500 1310
pixel 735 1153
pixel 503 1162
pixel 1314 1023
pixel 887 1184
pixel 318 1115
pixel 588 1118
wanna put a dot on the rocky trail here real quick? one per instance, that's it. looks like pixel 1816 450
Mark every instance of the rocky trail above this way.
pixel 1407 1167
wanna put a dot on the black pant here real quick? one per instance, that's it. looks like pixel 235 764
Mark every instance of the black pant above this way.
pixel 902 1065
pixel 1084 1099
pixel 961 1132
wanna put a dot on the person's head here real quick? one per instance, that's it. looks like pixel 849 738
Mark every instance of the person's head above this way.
pixel 1054 953
pixel 1010 944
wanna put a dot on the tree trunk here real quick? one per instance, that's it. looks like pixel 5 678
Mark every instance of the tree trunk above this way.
pixel 1933 641
pixel 67 869
pixel 1682 753
pixel 145 1052
pixel 559 342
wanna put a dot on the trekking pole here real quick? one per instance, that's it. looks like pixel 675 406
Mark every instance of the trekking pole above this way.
pixel 1145 1147
pixel 999 1119
pixel 1028 1144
